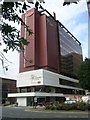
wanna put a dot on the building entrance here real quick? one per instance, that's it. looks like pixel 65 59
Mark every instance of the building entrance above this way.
pixel 29 101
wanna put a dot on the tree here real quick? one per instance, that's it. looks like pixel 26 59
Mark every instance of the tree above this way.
pixel 84 74
pixel 10 35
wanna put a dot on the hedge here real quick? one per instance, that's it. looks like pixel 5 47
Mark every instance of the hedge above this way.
pixel 80 106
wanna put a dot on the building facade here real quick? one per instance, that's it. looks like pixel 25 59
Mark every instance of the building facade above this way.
pixel 46 86
pixel 70 52
pixel 43 45
pixel 52 54
pixel 7 86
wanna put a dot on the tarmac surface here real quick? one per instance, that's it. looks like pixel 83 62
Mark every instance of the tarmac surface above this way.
pixel 29 113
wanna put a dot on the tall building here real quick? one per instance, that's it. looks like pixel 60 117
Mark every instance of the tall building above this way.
pixel 53 53
pixel 52 46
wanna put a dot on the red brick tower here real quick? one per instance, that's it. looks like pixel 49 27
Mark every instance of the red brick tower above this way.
pixel 43 49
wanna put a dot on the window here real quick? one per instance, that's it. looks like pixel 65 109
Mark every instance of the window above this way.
pixel 68 83
pixel 23 90
pixel 29 89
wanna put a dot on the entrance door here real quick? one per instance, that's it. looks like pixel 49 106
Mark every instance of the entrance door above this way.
pixel 29 101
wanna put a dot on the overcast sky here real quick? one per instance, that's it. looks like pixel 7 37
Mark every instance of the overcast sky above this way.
pixel 74 17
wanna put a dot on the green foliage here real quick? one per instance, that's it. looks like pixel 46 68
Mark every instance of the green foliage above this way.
pixel 53 107
pixel 80 106
pixel 47 107
pixel 59 107
pixel 84 74
pixel 11 36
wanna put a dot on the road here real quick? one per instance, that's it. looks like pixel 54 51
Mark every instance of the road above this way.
pixel 17 113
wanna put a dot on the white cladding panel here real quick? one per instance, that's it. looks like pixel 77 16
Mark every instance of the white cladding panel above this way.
pixel 22 101
pixel 50 78
pixel 30 78
pixel 32 94
pixel 41 77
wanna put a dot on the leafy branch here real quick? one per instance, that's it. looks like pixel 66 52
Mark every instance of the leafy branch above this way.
pixel 4 61
pixel 10 35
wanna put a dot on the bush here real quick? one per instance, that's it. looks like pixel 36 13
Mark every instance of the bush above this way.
pixel 47 107
pixel 53 107
pixel 80 106
pixel 65 107
pixel 59 107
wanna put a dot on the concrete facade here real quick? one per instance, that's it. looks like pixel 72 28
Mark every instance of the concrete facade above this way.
pixel 44 84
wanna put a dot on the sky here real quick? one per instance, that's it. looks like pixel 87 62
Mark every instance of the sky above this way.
pixel 74 17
